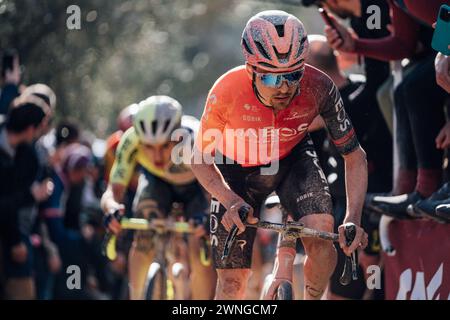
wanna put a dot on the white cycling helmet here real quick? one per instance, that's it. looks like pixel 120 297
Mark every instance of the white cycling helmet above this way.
pixel 156 118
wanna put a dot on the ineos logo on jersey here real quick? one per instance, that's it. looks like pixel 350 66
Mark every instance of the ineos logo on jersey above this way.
pixel 342 118
pixel 284 132
pixel 214 224
pixel 215 206
pixel 214 240
pixel 288 132
pixel 268 133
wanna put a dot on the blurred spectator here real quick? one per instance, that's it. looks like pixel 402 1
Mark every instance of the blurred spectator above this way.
pixel 419 100
pixel 44 92
pixel 44 249
pixel 375 70
pixel 11 80
pixel 67 132
pixel 44 145
pixel 17 190
pixel 375 139
pixel 71 170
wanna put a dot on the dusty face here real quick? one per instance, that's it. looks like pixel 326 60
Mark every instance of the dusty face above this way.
pixel 278 98
pixel 159 155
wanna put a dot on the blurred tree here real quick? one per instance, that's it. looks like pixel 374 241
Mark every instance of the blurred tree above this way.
pixel 128 50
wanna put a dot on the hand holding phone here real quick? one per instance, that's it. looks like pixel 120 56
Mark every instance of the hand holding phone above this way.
pixel 339 37
pixel 328 20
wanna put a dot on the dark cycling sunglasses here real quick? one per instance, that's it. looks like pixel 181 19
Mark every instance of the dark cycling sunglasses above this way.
pixel 275 80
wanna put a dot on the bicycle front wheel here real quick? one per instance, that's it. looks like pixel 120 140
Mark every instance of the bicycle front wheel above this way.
pixel 285 291
pixel 156 286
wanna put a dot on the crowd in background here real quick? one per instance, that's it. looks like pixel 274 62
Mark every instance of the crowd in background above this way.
pixel 52 176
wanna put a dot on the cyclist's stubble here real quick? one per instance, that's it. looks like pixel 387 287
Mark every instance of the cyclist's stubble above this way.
pixel 278 98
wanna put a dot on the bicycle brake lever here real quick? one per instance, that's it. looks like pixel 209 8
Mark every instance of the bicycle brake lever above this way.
pixel 109 239
pixel 243 212
pixel 350 268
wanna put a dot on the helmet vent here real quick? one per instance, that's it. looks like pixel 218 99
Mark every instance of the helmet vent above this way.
pixel 154 127
pixel 282 55
pixel 280 30
pixel 142 124
pixel 166 125
pixel 297 63
pixel 262 50
pixel 301 47
pixel 244 42
pixel 268 65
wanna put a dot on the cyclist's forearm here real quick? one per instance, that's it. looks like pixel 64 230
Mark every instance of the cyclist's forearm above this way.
pixel 356 184
pixel 212 180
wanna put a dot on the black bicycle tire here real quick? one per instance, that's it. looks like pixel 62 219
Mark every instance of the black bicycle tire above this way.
pixel 284 291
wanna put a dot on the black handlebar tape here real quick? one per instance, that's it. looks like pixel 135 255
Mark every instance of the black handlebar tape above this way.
pixel 109 234
pixel 243 213
pixel 349 271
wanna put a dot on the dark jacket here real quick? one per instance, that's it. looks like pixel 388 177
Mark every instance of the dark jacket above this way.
pixel 8 93
pixel 17 174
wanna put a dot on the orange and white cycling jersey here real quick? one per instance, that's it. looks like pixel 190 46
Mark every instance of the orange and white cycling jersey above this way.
pixel 240 127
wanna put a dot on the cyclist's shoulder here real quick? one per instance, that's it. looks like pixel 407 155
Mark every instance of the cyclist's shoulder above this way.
pixel 316 77
pixel 129 141
pixel 230 80
pixel 113 140
pixel 318 84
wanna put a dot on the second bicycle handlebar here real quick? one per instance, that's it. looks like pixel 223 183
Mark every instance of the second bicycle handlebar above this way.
pixel 158 225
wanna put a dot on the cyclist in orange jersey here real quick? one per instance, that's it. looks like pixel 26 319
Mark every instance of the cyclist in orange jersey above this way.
pixel 254 140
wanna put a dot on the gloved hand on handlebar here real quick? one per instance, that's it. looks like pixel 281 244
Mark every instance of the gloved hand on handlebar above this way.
pixel 112 219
